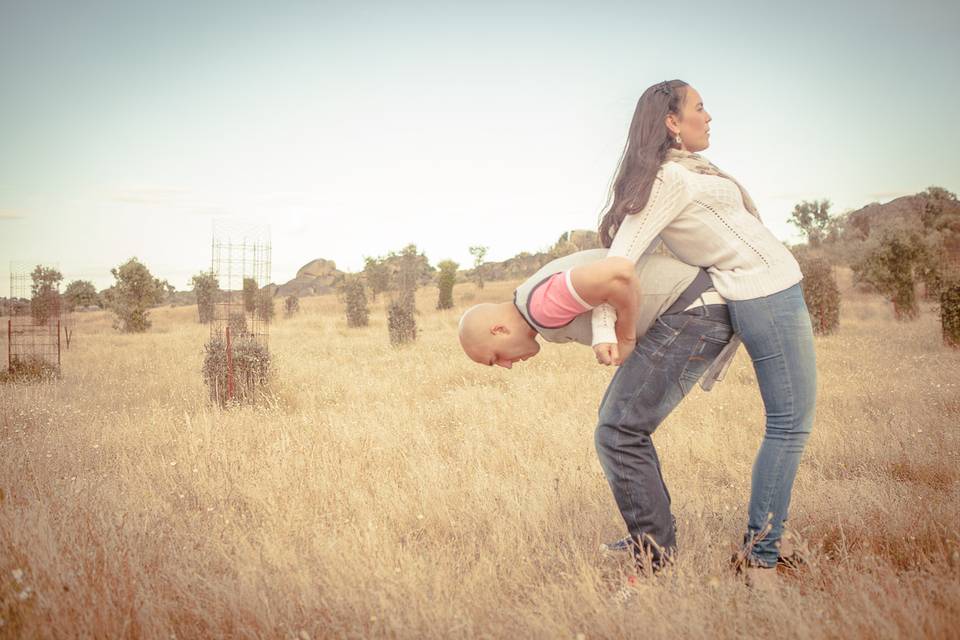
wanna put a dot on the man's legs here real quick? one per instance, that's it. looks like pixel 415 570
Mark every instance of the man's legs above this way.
pixel 667 362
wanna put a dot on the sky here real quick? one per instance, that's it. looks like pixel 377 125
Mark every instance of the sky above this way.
pixel 353 129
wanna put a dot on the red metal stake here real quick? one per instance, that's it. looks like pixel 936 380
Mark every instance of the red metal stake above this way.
pixel 229 367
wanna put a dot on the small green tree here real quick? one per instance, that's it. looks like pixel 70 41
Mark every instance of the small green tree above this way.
pixel 133 293
pixel 79 293
pixel 812 218
pixel 291 306
pixel 45 293
pixel 377 274
pixel 355 298
pixel 206 287
pixel 445 282
pixel 479 253
pixel 821 294
pixel 889 266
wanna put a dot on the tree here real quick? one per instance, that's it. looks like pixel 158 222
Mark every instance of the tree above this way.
pixel 79 293
pixel 812 219
pixel 478 252
pixel 890 266
pixel 377 274
pixel 45 293
pixel 206 287
pixel 445 282
pixel 133 293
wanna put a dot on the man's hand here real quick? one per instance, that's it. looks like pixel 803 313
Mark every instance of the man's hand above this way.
pixel 609 353
pixel 606 352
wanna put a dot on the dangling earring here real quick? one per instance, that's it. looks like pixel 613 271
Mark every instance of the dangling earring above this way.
pixel 678 140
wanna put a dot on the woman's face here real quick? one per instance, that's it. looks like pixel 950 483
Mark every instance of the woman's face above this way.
pixel 694 125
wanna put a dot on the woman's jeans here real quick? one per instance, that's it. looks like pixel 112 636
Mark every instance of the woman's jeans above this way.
pixel 777 333
pixel 665 365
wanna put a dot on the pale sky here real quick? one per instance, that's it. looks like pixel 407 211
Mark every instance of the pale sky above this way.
pixel 355 128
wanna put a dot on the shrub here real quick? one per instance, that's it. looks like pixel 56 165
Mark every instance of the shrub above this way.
pixel 445 282
pixel 821 294
pixel 353 294
pixel 401 311
pixel 250 299
pixel 401 322
pixel 291 306
pixel 950 314
pixel 265 308
pixel 251 369
pixel 29 369
pixel 889 266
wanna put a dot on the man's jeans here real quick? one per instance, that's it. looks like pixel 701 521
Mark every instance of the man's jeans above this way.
pixel 777 333
pixel 664 367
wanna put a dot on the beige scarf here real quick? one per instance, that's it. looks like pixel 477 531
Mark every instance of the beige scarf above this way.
pixel 699 164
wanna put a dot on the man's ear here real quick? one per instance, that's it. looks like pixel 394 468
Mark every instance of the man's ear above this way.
pixel 499 328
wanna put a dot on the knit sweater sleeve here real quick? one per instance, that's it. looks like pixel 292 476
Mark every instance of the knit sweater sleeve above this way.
pixel 637 236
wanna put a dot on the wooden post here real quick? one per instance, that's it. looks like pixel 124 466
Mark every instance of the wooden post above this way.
pixel 58 343
pixel 10 345
pixel 229 366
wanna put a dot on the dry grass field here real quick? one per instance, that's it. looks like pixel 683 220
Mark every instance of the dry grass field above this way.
pixel 411 493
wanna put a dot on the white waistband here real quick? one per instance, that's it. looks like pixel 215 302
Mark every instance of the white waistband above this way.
pixel 707 297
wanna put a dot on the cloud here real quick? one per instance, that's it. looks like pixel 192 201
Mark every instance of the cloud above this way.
pixel 10 215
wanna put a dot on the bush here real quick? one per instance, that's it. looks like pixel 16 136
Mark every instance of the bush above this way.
pixel 821 294
pixel 950 314
pixel 445 282
pixel 889 265
pixel 29 369
pixel 401 322
pixel 251 369
pixel 291 306
pixel 265 308
pixel 353 293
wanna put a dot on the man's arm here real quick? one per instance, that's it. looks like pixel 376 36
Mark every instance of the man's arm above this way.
pixel 613 281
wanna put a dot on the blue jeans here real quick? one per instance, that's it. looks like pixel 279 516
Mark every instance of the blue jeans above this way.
pixel 665 365
pixel 777 333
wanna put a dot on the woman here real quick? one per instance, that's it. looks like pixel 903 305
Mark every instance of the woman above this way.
pixel 664 191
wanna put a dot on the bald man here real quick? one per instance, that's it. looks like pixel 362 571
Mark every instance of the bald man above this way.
pixel 671 327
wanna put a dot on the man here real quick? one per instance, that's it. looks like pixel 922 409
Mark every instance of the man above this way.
pixel 671 327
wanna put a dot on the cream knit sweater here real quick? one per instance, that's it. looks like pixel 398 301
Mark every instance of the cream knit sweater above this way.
pixel 702 220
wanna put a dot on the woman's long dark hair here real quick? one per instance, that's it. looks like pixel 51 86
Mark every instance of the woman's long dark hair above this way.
pixel 647 144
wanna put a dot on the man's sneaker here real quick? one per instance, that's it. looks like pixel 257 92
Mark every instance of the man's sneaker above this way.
pixel 623 545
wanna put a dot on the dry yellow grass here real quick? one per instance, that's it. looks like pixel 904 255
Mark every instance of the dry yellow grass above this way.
pixel 408 492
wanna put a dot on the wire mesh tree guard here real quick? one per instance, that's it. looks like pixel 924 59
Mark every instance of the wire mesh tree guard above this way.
pixel 34 323
pixel 237 360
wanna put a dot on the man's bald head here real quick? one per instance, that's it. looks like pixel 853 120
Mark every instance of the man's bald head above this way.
pixel 495 333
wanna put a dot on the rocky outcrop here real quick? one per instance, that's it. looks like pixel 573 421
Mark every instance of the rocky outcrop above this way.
pixel 316 277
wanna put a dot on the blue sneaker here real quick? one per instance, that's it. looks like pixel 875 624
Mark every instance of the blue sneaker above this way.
pixel 623 545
